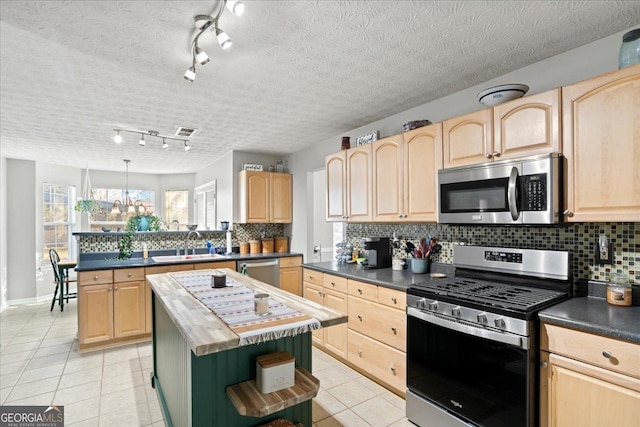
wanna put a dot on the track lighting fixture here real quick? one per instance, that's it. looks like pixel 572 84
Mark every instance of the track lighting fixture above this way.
pixel 187 147
pixel 205 22
pixel 150 133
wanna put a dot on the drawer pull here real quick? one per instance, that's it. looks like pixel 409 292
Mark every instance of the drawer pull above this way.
pixel 116 288
pixel 333 284
pixel 607 354
pixel 360 291
pixel 319 293
pixel 544 364
pixel 359 318
pixel 394 300
pixel 109 290
pixel 393 370
pixel 395 331
pixel 96 277
pixel 129 275
pixel 359 353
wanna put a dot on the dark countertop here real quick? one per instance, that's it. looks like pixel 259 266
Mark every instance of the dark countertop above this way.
pixel 108 260
pixel 387 277
pixel 593 314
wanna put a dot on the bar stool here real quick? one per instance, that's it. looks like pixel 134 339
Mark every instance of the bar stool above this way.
pixel 61 275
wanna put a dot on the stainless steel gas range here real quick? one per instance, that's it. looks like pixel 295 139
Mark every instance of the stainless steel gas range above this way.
pixel 472 339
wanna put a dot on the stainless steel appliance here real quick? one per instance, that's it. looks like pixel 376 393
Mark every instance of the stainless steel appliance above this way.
pixel 378 252
pixel 472 339
pixel 265 270
pixel 524 191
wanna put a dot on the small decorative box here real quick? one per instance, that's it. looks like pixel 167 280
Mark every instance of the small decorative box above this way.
pixel 275 371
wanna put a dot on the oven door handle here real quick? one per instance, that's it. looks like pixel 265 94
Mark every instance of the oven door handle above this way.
pixel 511 194
pixel 515 340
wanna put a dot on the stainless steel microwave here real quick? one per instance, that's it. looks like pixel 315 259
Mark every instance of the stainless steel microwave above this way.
pixel 517 192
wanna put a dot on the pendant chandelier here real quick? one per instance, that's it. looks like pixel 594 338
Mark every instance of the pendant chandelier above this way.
pixel 127 206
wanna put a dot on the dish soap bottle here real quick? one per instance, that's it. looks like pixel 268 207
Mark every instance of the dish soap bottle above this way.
pixel 145 251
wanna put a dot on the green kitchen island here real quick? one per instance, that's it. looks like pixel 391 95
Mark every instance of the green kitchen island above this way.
pixel 197 357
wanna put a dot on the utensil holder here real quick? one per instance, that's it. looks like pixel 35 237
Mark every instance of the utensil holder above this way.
pixel 420 265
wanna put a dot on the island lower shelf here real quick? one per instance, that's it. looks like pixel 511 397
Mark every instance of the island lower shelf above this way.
pixel 249 401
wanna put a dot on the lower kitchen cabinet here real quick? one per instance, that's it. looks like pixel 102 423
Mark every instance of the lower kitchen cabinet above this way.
pixel 95 313
pixel 588 380
pixel 129 316
pixel 291 275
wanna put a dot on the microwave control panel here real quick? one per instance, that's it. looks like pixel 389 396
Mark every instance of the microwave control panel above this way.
pixel 533 192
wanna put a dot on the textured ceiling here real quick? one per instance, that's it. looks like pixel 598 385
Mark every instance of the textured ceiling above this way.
pixel 299 72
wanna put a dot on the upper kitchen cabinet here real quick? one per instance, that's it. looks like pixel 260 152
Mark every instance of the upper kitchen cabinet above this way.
pixel 519 128
pixel 265 197
pixel 468 139
pixel 404 175
pixel 349 185
pixel 601 143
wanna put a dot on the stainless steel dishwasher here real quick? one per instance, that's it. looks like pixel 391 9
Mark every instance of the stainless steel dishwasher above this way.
pixel 267 271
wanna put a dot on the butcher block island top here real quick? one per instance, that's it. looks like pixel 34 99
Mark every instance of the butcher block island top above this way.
pixel 204 331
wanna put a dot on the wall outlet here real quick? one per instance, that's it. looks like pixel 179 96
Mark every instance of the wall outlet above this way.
pixel 604 256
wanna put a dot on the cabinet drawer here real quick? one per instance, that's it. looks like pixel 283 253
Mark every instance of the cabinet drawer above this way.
pixel 313 276
pixel 95 277
pixel 363 290
pixel 624 357
pixel 380 360
pixel 161 269
pixel 214 265
pixel 292 261
pixel 335 283
pixel 392 298
pixel 378 321
pixel 128 274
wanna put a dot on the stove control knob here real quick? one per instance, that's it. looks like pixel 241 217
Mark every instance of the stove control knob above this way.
pixel 433 306
pixel 421 303
pixel 482 318
pixel 455 311
pixel 499 322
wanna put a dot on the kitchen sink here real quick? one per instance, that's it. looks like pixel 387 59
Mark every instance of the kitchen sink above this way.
pixel 176 258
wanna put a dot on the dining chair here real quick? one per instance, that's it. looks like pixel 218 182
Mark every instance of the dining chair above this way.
pixel 62 281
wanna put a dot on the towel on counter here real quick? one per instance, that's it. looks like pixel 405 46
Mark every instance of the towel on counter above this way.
pixel 234 305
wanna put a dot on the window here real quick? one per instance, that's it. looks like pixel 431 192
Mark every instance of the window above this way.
pixel 176 207
pixel 206 206
pixel 106 197
pixel 58 219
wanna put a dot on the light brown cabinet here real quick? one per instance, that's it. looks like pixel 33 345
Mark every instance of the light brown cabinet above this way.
pixel 387 177
pixel 336 172
pixel 588 380
pixel 291 275
pixel 129 314
pixel 601 144
pixel 519 128
pixel 349 185
pixel 264 197
pixel 95 313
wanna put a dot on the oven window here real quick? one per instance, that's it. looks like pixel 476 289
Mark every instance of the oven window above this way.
pixel 482 381
pixel 475 196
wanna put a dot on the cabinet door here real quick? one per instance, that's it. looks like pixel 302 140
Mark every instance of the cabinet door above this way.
pixel 582 395
pixel 527 126
pixel 358 189
pixel 335 169
pixel 95 313
pixel 291 280
pixel 148 310
pixel 467 139
pixel 601 143
pixel 387 179
pixel 253 188
pixel 315 293
pixel 335 337
pixel 422 159
pixel 280 204
pixel 129 314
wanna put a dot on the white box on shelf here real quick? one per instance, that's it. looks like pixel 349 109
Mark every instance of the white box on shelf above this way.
pixel 275 371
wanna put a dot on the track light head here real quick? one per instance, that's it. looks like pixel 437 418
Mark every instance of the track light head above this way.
pixel 165 146
pixel 201 56
pixel 223 39
pixel 117 137
pixel 190 74
pixel 187 147
pixel 142 141
pixel 236 7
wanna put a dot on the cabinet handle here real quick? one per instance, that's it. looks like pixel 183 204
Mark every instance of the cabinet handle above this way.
pixel 487 155
pixel 395 331
pixel 319 293
pixel 359 318
pixel 360 291
pixel 400 216
pixel 544 364
pixel 567 213
pixel 394 300
pixel 393 369
pixel 496 154
pixel 109 290
pixel 116 288
pixel 129 275
pixel 607 354
pixel 333 284
pixel 359 353
pixel 95 277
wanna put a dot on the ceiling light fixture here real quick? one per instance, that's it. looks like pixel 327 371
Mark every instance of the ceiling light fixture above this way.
pixel 187 147
pixel 149 133
pixel 205 22
pixel 117 138
pixel 129 206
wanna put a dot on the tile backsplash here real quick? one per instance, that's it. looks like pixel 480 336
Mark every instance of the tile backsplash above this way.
pixel 109 242
pixel 580 239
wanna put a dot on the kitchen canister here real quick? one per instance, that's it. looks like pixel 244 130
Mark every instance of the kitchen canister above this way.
pixel 282 244
pixel 244 247
pixel 629 49
pixel 267 245
pixel 254 246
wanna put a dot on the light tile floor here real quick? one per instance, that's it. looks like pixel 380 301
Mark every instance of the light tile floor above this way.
pixel 40 365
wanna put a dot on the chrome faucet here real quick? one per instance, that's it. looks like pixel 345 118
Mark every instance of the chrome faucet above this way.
pixel 186 242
